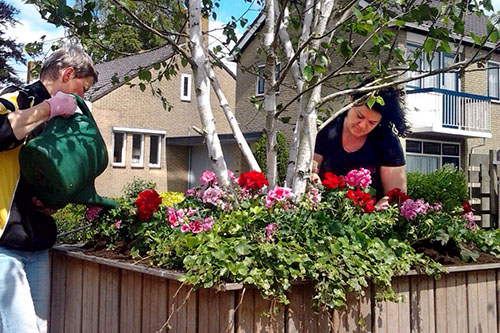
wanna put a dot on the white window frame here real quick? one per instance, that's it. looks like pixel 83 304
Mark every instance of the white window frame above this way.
pixel 260 78
pixel 441 155
pixel 139 164
pixel 155 165
pixel 496 68
pixel 186 97
pixel 124 149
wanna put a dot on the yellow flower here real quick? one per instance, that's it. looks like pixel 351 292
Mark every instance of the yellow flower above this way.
pixel 171 198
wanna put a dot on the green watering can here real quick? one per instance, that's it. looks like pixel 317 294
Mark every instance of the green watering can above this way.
pixel 61 164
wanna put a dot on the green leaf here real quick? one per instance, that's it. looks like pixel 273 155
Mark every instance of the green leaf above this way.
pixel 242 248
pixel 308 72
pixel 380 100
pixel 445 46
pixel 370 102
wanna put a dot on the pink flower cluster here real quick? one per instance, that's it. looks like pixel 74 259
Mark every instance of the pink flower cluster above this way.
pixel 280 196
pixel 185 219
pixel 361 178
pixel 208 177
pixel 197 226
pixel 411 208
pixel 92 213
pixel 313 196
pixel 271 229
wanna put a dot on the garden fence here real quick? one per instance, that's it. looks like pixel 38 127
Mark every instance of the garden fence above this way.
pixel 484 188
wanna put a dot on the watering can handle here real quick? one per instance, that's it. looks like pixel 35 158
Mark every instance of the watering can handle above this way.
pixel 83 107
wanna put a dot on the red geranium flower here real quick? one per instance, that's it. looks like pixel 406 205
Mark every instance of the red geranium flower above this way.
pixel 252 180
pixel 467 207
pixel 362 199
pixel 397 196
pixel 147 202
pixel 332 181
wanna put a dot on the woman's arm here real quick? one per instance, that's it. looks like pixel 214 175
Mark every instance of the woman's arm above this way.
pixel 316 164
pixel 391 177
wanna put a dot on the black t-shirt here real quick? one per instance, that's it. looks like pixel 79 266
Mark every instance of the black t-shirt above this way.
pixel 382 148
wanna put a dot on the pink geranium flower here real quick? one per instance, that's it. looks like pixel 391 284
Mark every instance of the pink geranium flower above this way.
pixel 361 178
pixel 280 194
pixel 208 177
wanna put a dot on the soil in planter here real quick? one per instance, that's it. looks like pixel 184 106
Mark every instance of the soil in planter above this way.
pixel 450 255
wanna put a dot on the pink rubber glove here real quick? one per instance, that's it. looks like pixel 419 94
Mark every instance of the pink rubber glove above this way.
pixel 62 104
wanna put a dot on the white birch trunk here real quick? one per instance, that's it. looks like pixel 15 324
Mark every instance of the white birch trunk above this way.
pixel 238 135
pixel 308 131
pixel 270 94
pixel 202 89
pixel 296 70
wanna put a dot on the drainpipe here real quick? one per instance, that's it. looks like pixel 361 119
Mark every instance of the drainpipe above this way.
pixel 469 171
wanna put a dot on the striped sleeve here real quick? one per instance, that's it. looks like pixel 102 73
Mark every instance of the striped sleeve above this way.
pixel 7 138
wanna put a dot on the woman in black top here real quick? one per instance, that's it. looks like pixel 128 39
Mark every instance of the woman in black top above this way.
pixel 366 138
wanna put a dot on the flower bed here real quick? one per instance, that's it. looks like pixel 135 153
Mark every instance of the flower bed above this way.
pixel 269 238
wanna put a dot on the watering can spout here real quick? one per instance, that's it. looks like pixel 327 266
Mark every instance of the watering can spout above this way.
pixel 89 196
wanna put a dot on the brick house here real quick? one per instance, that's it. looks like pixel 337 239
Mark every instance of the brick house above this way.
pixel 146 140
pixel 451 116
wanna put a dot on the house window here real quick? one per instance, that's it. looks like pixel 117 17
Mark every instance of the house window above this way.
pixel 137 150
pixel 448 81
pixel 493 85
pixel 154 151
pixel 261 81
pixel 427 156
pixel 186 87
pixel 119 145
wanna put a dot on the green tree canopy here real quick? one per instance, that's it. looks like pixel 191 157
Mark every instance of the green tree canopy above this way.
pixel 9 49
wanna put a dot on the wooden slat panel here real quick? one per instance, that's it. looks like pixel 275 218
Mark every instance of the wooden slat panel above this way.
pixel 227 306
pixel 294 310
pixel 214 308
pixel 173 295
pixel 131 301
pixel 365 309
pixel 181 310
pixel 244 314
pixel 109 299
pixel 472 300
pixel 309 318
pixel 380 314
pixel 261 318
pixel 422 303
pixel 461 301
pixel 73 308
pixel 90 309
pixel 402 287
pixel 58 293
pixel 491 306
pixel 191 312
pixel 147 306
pixel 203 310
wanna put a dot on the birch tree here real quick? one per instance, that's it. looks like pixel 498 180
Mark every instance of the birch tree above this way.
pixel 325 47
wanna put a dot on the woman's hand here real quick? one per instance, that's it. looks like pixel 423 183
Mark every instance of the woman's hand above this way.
pixel 382 204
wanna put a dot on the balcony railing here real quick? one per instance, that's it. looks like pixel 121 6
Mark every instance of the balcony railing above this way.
pixel 449 112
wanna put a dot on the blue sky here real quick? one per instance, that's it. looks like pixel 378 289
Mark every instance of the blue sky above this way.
pixel 31 26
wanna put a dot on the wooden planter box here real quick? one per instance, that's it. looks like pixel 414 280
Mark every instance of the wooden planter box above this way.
pixel 91 294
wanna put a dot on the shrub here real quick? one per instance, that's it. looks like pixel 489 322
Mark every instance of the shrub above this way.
pixel 447 185
pixel 136 186
pixel 260 155
pixel 71 218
